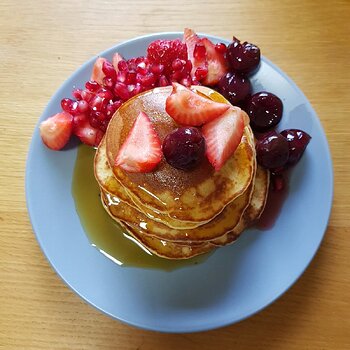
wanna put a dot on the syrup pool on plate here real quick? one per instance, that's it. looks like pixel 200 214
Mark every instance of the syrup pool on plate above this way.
pixel 103 232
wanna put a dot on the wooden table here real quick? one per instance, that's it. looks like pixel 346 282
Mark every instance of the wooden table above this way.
pixel 42 43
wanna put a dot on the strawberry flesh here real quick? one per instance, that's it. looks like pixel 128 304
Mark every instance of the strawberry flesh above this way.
pixel 141 152
pixel 196 51
pixel 217 64
pixel 223 135
pixel 191 109
pixel 56 130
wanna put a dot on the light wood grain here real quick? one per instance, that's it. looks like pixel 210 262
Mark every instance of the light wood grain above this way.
pixel 42 43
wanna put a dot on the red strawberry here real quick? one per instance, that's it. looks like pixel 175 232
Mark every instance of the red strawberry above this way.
pixel 141 151
pixel 217 64
pixel 56 130
pixel 196 50
pixel 165 52
pixel 97 73
pixel 86 133
pixel 115 60
pixel 223 135
pixel 191 109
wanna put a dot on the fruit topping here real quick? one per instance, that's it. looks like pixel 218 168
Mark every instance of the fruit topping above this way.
pixel 196 53
pixel 97 74
pixel 235 87
pixel 216 63
pixel 141 152
pixel 243 57
pixel 87 134
pixel 165 52
pixel 56 130
pixel 189 108
pixel 184 148
pixel 265 111
pixel 297 142
pixel 223 135
pixel 272 151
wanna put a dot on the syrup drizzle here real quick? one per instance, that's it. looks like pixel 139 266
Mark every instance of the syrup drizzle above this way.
pixel 103 232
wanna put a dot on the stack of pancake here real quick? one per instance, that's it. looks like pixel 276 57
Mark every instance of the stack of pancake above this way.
pixel 173 213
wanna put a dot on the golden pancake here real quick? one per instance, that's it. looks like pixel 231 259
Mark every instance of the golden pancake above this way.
pixel 222 223
pixel 165 249
pixel 105 178
pixel 195 196
pixel 254 209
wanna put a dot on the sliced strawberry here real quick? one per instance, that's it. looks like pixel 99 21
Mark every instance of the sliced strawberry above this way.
pixel 97 73
pixel 115 60
pixel 86 133
pixel 190 109
pixel 217 64
pixel 223 135
pixel 141 151
pixel 57 130
pixel 195 50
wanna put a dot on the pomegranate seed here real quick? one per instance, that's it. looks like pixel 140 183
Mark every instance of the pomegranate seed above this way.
pixel 148 80
pixel 188 67
pixel 138 89
pixel 201 72
pixel 83 106
pixel 122 91
pixel 142 59
pixel 122 65
pixel 195 82
pixel 199 52
pixel 108 70
pixel 157 68
pixel 94 122
pixel 121 76
pixel 163 81
pixel 177 64
pixel 87 95
pixel 101 116
pixel 108 82
pixel 104 125
pixel 92 86
pixel 132 65
pixel 141 68
pixel 77 94
pixel 111 108
pixel 74 109
pixel 105 93
pixel 67 104
pixel 177 76
pixel 221 48
pixel 98 103
pixel 78 120
pixel 186 82
pixel 130 78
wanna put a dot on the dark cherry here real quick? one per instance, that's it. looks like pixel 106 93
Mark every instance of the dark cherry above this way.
pixel 265 110
pixel 243 57
pixel 184 148
pixel 272 151
pixel 297 142
pixel 235 87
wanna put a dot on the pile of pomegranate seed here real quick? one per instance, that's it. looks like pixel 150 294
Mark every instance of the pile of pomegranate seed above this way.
pixel 113 83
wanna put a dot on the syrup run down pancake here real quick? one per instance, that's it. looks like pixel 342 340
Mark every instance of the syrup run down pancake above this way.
pixel 180 250
pixel 194 196
pixel 165 249
pixel 121 209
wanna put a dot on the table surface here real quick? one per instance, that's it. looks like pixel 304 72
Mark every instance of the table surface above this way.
pixel 42 44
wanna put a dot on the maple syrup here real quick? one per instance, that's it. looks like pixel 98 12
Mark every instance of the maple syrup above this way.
pixel 103 232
